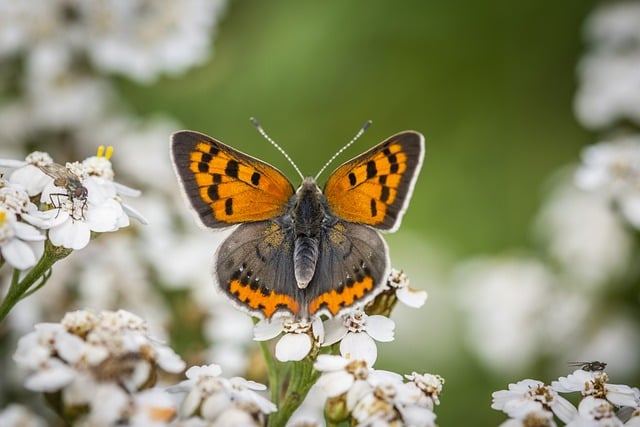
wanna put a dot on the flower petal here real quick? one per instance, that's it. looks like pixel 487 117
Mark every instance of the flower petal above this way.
pixel 293 347
pixel 359 346
pixel 380 328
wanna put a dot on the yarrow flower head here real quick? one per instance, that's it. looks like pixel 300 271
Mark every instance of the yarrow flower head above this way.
pixel 595 384
pixel 375 397
pixel 110 353
pixel 614 167
pixel 356 332
pixel 299 338
pixel 213 398
pixel 76 199
pixel 531 396
pixel 399 282
pixel 20 244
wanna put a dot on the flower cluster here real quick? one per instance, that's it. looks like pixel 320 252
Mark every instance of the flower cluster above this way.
pixel 531 402
pixel 223 401
pixel 110 354
pixel 73 200
pixel 352 388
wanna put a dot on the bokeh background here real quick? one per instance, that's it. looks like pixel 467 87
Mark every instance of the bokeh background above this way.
pixel 494 87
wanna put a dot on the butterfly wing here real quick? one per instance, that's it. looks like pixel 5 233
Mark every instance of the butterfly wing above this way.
pixel 352 268
pixel 375 187
pixel 254 268
pixel 225 186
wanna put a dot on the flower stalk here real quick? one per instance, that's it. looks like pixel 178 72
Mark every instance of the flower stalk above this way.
pixel 34 279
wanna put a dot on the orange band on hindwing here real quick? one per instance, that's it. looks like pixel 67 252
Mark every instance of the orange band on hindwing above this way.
pixel 345 296
pixel 267 303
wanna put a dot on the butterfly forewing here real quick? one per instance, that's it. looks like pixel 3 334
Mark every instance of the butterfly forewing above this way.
pixel 224 185
pixel 375 187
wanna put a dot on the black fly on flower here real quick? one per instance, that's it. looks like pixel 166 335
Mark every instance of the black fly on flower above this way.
pixel 64 178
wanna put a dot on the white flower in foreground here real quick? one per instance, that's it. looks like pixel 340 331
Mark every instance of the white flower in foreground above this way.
pixel 82 197
pixel 540 418
pixel 20 244
pixel 356 332
pixel 339 374
pixel 221 400
pixel 18 415
pixel 388 400
pixel 405 293
pixel 614 167
pixel 595 384
pixel 110 354
pixel 298 339
pixel 595 412
pixel 311 412
pixel 528 396
pixel 422 390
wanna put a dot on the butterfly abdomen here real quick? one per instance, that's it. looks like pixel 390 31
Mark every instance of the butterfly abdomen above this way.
pixel 307 214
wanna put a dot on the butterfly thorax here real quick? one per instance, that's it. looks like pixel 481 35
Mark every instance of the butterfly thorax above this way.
pixel 308 212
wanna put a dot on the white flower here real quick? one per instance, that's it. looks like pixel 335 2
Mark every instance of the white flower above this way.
pixel 142 38
pixel 505 299
pixel 340 374
pixel 217 399
pixel 405 293
pixel 150 406
pixel 540 418
pixel 83 198
pixel 528 396
pixel 610 82
pixel 18 415
pixel 298 339
pixel 595 412
pixel 595 383
pixel 614 167
pixel 21 245
pixel 110 351
pixel 584 235
pixel 356 332
pixel 311 412
pixel 422 390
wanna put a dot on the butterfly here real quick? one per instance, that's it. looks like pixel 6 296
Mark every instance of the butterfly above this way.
pixel 302 251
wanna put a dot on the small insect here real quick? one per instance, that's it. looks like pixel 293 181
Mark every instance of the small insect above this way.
pixel 64 178
pixel 590 366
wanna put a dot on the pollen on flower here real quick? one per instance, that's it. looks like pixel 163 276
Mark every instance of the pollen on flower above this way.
pixel 39 158
pixel 99 165
pixel 105 152
pixel 358 368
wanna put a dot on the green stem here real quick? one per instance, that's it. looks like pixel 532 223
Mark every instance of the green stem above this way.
pixel 303 376
pixel 272 369
pixel 19 288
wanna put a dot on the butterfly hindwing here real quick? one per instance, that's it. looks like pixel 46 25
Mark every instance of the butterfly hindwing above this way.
pixel 375 187
pixel 254 267
pixel 352 266
pixel 225 186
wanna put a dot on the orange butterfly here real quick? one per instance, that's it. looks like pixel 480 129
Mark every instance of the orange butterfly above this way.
pixel 304 251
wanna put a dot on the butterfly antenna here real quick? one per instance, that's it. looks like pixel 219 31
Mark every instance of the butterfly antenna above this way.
pixel 268 138
pixel 354 139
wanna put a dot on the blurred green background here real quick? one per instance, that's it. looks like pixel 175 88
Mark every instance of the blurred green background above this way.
pixel 490 84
